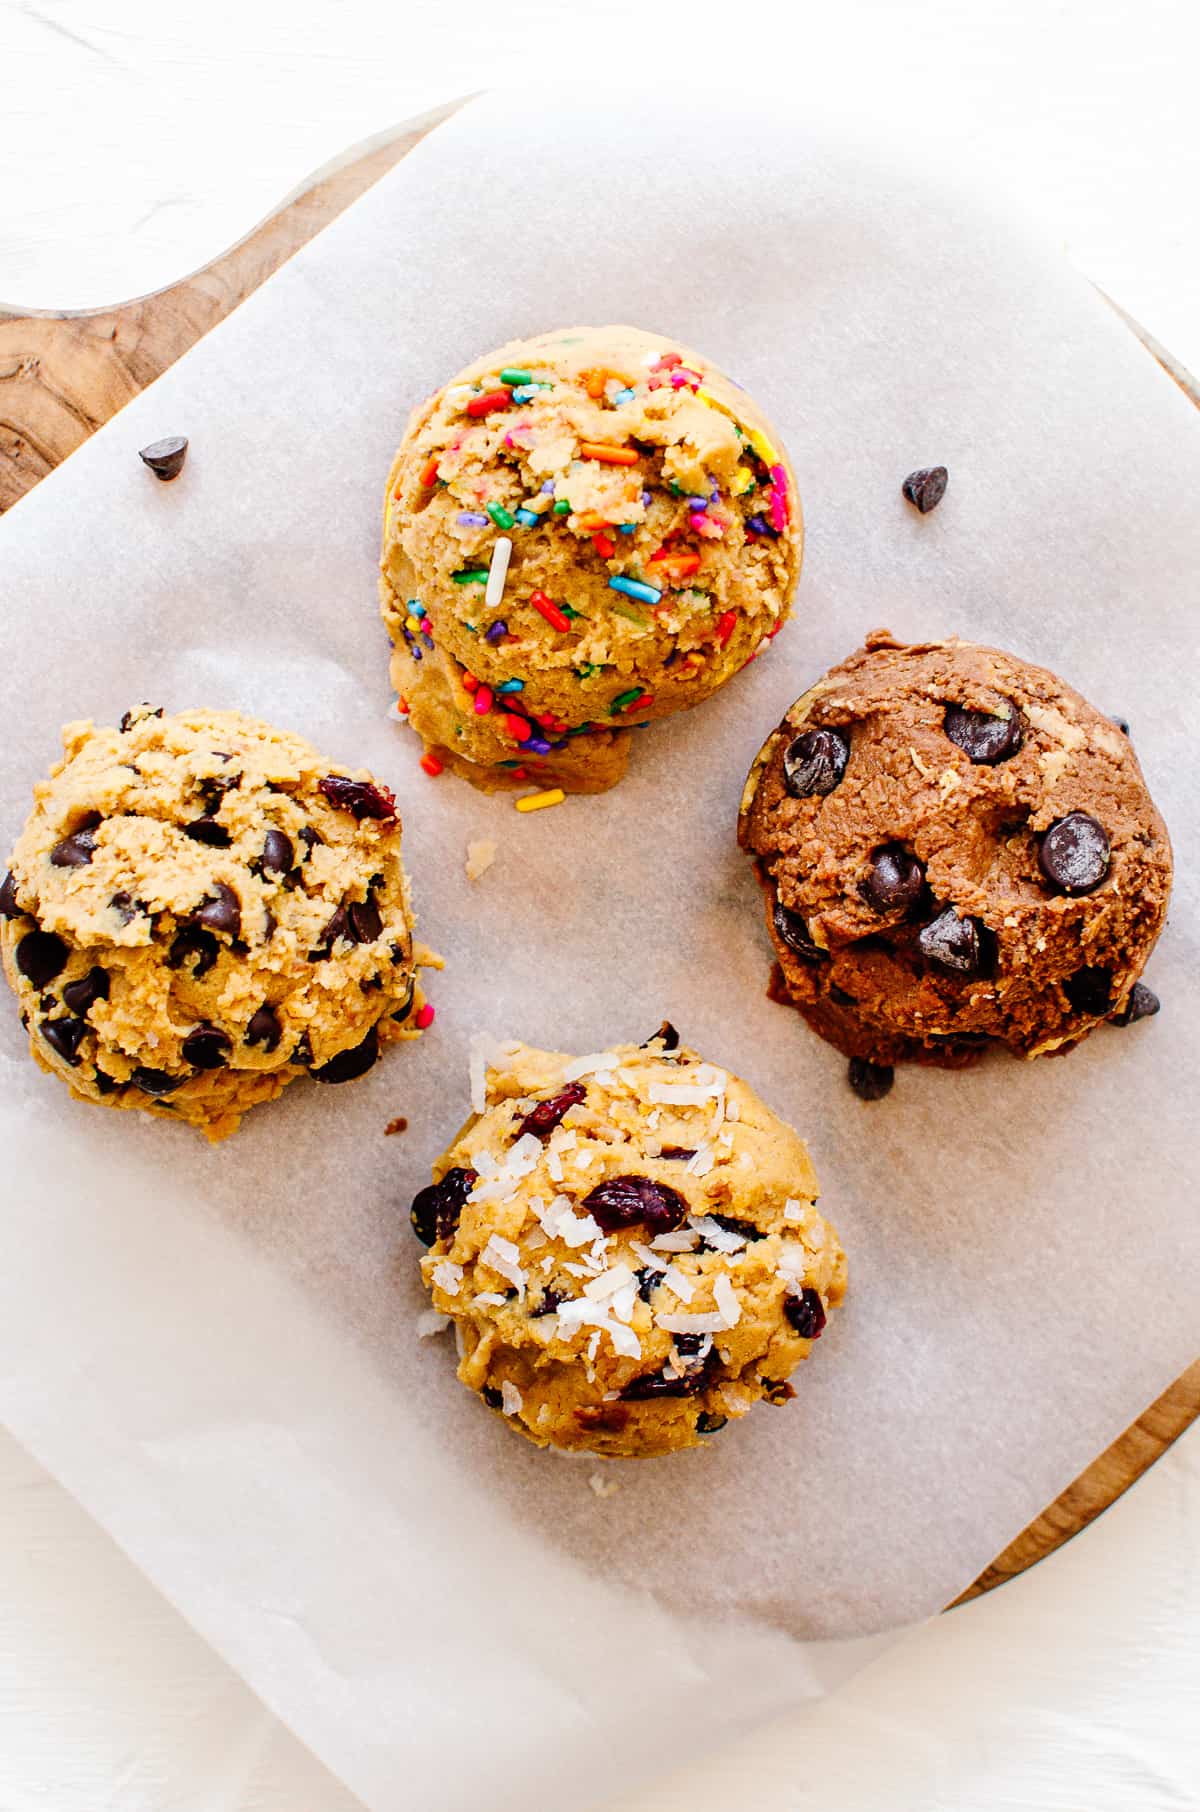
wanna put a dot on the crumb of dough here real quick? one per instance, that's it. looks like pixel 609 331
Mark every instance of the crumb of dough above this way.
pixel 481 853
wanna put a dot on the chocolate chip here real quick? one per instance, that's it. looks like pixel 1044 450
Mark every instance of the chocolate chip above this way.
pixel 81 995
pixel 278 854
pixel 492 1397
pixel 337 928
pixel 310 838
pixel 543 1118
pixel 806 1313
pixel 193 941
pixel 347 1066
pixel 126 907
pixel 105 1084
pixel 362 797
pixel 548 1305
pixel 792 931
pixel 214 787
pixel 1090 991
pixel 220 910
pixel 436 1209
pixel 138 715
pixel 839 996
pixel 895 879
pixel 165 457
pixel 870 1081
pixel 815 762
pixel 952 942
pixel 302 1050
pixel 985 738
pixel 264 1027
pixel 270 925
pixel 625 1201
pixel 777 1390
pixel 1143 1003
pixel 8 897
pixel 207 1047
pixel 648 1281
pixel 1122 724
pixel 41 956
pixel 75 851
pixel 64 1036
pixel 666 1035
pixel 208 830
pixel 406 1005
pixel 157 1082
pixel 1074 854
pixel 926 487
pixel 708 1423
pixel 365 922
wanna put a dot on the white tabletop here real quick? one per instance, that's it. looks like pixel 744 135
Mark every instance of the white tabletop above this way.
pixel 140 141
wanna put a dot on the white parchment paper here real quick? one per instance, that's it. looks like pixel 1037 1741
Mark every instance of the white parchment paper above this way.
pixel 215 1349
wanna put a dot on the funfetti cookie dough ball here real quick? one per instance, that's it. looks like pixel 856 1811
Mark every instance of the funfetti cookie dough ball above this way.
pixel 200 909
pixel 583 532
pixel 956 850
pixel 628 1245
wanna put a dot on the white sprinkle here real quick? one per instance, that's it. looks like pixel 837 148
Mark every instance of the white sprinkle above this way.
pixel 609 1282
pixel 493 1298
pixel 587 1066
pixel 723 1238
pixel 481 853
pixel 682 1285
pixel 447 1277
pixel 430 1322
pixel 498 571
pixel 727 1301
pixel 510 1397
pixel 683 1239
pixel 603 1487
pixel 792 1211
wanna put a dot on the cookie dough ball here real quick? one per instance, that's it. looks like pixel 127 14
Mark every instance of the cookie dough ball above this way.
pixel 201 908
pixel 956 850
pixel 628 1245
pixel 582 532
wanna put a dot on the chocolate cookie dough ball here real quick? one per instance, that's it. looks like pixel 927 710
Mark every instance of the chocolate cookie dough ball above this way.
pixel 201 908
pixel 628 1245
pixel 956 850
pixel 582 532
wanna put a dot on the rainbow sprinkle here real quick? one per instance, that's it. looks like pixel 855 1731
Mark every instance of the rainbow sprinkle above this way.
pixel 526 518
pixel 537 802
pixel 500 516
pixel 635 588
pixel 471 575
pixel 472 519
pixel 498 571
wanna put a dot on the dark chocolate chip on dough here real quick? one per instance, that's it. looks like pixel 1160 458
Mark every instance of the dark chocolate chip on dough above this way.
pixel 77 850
pixel 41 956
pixel 220 910
pixel 8 897
pixel 895 879
pixel 208 830
pixel 207 1047
pixel 792 931
pixel 80 995
pixel 193 943
pixel 952 942
pixel 814 762
pixel 347 1066
pixel 365 922
pixel 1090 990
pixel 984 737
pixel 264 1027
pixel 278 855
pixel 666 1035
pixel 1075 853
pixel 64 1036
pixel 156 1082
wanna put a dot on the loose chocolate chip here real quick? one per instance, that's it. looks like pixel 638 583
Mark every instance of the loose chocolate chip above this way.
pixel 207 1047
pixel 815 762
pixel 436 1209
pixel 220 910
pixel 193 941
pixel 138 715
pixel 337 928
pixel 806 1313
pixel 264 1027
pixel 8 897
pixel 1090 991
pixel 75 851
pixel 41 956
pixel 64 1036
pixel 926 487
pixel 792 931
pixel 624 1201
pixel 365 922
pixel 81 995
pixel 492 1397
pixel 1122 724
pixel 165 457
pixel 543 1118
pixel 278 854
pixel 895 879
pixel 984 738
pixel 952 942
pixel 157 1082
pixel 744 1229
pixel 126 907
pixel 708 1423
pixel 666 1035
pixel 208 830
pixel 682 1152
pixel 1075 852
pixel 548 1305
pixel 870 1081
pixel 1143 1003
pixel 347 1066
pixel 362 797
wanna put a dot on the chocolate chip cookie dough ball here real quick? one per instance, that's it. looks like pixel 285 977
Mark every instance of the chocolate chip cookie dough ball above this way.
pixel 200 909
pixel 956 850
pixel 582 532
pixel 628 1245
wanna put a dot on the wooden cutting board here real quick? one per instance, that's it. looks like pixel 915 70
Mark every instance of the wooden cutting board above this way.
pixel 61 377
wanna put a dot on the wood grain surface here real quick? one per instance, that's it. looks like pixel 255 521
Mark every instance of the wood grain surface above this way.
pixel 62 377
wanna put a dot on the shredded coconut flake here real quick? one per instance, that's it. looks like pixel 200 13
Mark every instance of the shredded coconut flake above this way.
pixel 601 1486
pixel 723 1238
pixel 647 1256
pixel 792 1211
pixel 683 1239
pixel 447 1277
pixel 711 1322
pixel 679 1094
pixel 702 1163
pixel 609 1282
pixel 727 1301
pixel 510 1398
pixel 588 1066
pixel 682 1285
pixel 501 1255
pixel 554 1165
pixel 492 1297
pixel 430 1322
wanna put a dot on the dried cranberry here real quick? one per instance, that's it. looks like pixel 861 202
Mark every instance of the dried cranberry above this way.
pixel 806 1313
pixel 548 1304
pixel 744 1229
pixel 364 798
pixel 546 1115
pixel 680 1152
pixel 926 487
pixel 436 1209
pixel 658 1384
pixel 624 1201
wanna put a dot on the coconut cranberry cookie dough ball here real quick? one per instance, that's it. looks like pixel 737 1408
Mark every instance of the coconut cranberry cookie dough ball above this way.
pixel 955 850
pixel 200 909
pixel 628 1245
pixel 583 532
